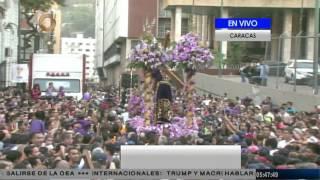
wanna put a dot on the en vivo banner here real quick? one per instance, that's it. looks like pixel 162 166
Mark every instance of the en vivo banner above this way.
pixel 20 73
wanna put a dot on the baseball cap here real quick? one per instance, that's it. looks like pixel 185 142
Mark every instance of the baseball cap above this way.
pixel 258 107
pixel 253 149
pixel 99 155
pixel 234 138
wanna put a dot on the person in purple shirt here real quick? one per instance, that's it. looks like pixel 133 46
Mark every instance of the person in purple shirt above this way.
pixel 81 125
pixel 37 124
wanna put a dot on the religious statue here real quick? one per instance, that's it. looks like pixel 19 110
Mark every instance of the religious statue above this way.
pixel 163 97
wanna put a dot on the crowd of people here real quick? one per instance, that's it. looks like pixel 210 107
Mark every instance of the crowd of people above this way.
pixel 65 133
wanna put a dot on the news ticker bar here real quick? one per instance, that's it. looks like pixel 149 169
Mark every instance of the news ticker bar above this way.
pixel 240 174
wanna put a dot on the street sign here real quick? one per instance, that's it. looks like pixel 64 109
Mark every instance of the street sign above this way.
pixel 243 29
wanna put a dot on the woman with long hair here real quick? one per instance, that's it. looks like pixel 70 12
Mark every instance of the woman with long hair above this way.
pixel 35 92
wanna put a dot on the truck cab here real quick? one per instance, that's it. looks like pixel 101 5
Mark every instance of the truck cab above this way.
pixel 59 70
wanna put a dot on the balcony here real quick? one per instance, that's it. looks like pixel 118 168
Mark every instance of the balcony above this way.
pixel 164 14
pixel 112 60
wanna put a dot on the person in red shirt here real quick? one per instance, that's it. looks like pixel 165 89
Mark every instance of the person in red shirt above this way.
pixel 36 92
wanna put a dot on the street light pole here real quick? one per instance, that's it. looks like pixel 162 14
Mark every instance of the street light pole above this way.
pixel 316 47
pixel 296 56
pixel 221 45
pixel 18 33
pixel 281 37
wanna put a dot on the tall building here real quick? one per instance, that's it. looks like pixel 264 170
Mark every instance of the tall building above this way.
pixel 164 21
pixel 82 45
pixel 99 27
pixel 8 40
pixel 286 15
pixel 122 27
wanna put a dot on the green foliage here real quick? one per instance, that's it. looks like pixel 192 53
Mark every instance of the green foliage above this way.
pixel 137 65
pixel 42 5
pixel 148 38
pixel 236 53
pixel 126 80
pixel 218 60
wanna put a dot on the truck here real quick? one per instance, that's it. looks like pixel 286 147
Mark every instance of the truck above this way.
pixel 62 70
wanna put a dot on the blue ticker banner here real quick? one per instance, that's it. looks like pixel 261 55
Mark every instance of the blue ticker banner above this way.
pixel 288 174
pixel 243 23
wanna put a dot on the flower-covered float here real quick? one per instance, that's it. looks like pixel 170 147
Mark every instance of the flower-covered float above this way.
pixel 190 55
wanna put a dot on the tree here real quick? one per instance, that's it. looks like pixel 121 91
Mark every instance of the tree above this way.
pixel 218 62
pixel 42 5
pixel 237 52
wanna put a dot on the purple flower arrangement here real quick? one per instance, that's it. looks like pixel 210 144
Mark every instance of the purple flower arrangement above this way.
pixel 178 127
pixel 147 55
pixel 189 53
pixel 135 105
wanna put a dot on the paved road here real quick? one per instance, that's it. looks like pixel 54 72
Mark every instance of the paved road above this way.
pixel 303 98
pixel 272 81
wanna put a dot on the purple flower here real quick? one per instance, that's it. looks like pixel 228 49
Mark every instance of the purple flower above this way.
pixel 178 127
pixel 149 55
pixel 188 51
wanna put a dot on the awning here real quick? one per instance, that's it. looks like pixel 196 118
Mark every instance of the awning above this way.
pixel 114 59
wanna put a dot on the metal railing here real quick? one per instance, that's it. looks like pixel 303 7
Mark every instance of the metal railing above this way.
pixel 301 49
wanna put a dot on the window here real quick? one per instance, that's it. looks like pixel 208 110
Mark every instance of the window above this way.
pixel 184 26
pixel 134 43
pixel 165 13
pixel 70 85
pixel 164 25
pixel 80 44
pixel 87 50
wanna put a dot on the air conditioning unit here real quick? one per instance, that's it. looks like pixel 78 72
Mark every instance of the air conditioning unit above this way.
pixel 8 52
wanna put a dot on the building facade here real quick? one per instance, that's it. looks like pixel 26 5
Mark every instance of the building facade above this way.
pixel 119 27
pixel 8 40
pixel 122 27
pixel 289 17
pixel 82 45
pixel 99 26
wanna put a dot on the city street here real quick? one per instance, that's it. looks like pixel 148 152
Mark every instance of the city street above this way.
pixel 124 89
pixel 272 83
pixel 303 100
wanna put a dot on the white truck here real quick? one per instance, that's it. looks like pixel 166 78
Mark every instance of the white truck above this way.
pixel 62 70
